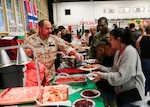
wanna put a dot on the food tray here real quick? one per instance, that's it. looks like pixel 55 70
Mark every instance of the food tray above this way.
pixel 54 95
pixel 19 95
pixel 70 80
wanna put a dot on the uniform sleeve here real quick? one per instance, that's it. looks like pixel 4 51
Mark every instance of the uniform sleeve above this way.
pixel 32 40
pixel 63 47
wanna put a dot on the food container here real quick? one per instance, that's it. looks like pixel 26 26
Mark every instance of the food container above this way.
pixel 91 61
pixel 56 95
pixel 19 95
pixel 70 61
pixel 70 80
pixel 83 103
pixel 90 93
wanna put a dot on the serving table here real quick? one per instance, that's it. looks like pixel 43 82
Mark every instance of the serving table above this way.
pixel 89 85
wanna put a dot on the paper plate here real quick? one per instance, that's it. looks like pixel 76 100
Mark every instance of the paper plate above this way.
pixel 85 68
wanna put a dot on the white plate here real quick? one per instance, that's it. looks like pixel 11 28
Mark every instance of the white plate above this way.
pixel 87 69
pixel 93 103
pixel 91 76
pixel 97 93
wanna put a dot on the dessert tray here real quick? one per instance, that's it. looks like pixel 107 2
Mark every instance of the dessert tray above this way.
pixel 70 80
pixel 19 95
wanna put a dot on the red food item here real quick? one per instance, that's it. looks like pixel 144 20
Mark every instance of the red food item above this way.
pixel 19 95
pixel 70 70
pixel 83 103
pixel 31 74
pixel 70 79
pixel 88 66
pixel 89 93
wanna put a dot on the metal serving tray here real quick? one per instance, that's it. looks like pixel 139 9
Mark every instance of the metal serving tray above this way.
pixel 70 80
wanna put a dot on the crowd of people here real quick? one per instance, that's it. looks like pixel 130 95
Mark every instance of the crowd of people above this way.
pixel 122 54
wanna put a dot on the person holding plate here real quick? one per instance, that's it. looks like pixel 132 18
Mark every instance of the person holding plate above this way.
pixel 105 56
pixel 126 66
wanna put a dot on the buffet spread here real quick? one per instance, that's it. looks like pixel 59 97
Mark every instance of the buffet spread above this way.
pixel 62 92
pixel 57 94
pixel 66 90
pixel 47 95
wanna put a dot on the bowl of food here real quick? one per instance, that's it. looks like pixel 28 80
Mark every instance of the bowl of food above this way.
pixel 90 93
pixel 83 103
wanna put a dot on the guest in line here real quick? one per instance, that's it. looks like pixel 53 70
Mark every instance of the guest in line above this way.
pixel 126 66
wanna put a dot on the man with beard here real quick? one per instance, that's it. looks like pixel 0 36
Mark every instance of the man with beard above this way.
pixel 47 46
pixel 102 35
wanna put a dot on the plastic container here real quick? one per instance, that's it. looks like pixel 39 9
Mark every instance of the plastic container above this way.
pixel 11 76
pixel 70 61
pixel 70 80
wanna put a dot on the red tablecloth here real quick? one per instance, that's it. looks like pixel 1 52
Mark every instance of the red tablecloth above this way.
pixel 70 70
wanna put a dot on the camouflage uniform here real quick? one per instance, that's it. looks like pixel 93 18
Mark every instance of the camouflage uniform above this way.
pixel 47 51
pixel 96 39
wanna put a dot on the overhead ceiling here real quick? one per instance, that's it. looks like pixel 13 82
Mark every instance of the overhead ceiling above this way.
pixel 55 1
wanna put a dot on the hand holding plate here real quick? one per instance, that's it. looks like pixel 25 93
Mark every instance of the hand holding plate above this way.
pixel 97 77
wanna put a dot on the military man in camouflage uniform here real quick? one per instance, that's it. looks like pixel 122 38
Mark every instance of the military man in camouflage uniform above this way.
pixel 47 46
pixel 101 35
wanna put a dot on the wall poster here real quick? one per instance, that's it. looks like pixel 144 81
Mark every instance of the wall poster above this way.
pixel 139 9
pixel 123 9
pixel 108 10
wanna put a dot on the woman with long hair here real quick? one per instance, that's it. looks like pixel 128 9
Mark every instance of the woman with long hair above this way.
pixel 126 66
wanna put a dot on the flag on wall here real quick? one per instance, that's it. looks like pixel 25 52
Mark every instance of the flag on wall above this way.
pixel 32 24
pixel 31 15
